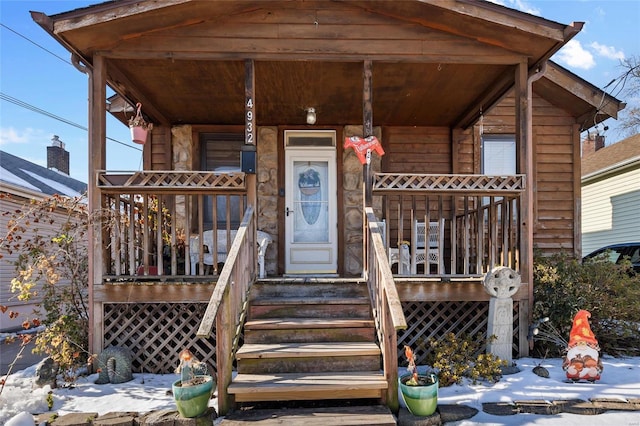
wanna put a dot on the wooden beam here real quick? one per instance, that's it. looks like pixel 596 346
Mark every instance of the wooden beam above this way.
pixel 154 292
pixel 490 13
pixel 524 161
pixel 491 96
pixel 602 102
pixel 367 125
pixel 96 161
pixel 117 80
pixel 464 289
pixel 249 103
pixel 348 50
pixel 367 98
pixel 109 12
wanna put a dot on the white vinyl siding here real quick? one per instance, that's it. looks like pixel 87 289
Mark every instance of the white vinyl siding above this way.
pixel 610 211
pixel 7 263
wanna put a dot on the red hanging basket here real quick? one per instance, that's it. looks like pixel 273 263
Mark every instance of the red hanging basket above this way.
pixel 139 127
pixel 139 134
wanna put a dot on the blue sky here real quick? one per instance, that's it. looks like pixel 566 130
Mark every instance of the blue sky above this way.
pixel 35 70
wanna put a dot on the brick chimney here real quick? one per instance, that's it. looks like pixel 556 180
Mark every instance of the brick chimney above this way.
pixel 57 156
pixel 592 144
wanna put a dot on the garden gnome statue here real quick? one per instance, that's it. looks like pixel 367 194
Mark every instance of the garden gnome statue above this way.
pixel 583 359
pixel 501 283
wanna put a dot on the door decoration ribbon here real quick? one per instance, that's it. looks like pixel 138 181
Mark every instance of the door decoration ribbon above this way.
pixel 363 146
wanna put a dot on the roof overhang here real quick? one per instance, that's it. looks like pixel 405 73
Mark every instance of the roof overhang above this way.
pixel 435 62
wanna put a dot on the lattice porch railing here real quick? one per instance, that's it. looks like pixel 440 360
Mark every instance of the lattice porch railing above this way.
pixel 480 217
pixel 157 332
pixel 170 180
pixel 428 320
pixel 153 222
pixel 468 184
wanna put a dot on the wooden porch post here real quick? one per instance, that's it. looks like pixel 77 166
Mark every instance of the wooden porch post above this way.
pixel 367 126
pixel 524 154
pixel 97 156
pixel 250 131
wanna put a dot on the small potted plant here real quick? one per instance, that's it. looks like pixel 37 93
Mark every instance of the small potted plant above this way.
pixel 139 126
pixel 419 391
pixel 193 390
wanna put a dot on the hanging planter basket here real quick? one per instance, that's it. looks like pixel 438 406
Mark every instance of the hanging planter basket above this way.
pixel 139 134
pixel 139 126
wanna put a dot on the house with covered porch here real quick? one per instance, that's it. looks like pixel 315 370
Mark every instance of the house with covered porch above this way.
pixel 261 235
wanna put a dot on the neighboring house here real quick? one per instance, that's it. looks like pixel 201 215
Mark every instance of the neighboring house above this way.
pixel 23 181
pixel 256 107
pixel 610 194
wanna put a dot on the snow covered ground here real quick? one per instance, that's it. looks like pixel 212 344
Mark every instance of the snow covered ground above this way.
pixel 147 392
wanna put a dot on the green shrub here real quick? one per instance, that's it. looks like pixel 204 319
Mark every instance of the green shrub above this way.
pixel 454 358
pixel 610 292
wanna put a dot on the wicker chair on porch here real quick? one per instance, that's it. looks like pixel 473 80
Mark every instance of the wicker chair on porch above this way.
pixel 263 242
pixel 399 255
pixel 426 249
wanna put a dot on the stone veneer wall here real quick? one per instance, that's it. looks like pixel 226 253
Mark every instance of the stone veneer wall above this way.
pixel 267 192
pixel 353 196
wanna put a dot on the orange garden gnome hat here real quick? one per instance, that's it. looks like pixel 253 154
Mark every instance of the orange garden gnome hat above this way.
pixel 581 332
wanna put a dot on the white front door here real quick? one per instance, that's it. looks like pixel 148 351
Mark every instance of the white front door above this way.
pixel 310 203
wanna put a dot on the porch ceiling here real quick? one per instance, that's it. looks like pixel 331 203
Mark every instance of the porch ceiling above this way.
pixel 404 94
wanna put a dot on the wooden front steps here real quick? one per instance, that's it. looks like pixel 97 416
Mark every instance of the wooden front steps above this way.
pixel 375 415
pixel 308 341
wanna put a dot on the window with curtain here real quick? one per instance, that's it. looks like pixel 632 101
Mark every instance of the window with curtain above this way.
pixel 220 152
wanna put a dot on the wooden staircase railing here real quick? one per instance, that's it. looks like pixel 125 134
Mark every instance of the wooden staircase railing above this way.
pixel 385 302
pixel 228 303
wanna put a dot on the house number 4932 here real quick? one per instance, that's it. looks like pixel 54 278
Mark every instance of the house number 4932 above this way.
pixel 249 119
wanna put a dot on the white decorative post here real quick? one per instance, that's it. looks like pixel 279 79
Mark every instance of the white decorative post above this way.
pixel 501 283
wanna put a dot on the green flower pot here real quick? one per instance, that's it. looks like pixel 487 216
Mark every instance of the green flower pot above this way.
pixel 193 400
pixel 420 400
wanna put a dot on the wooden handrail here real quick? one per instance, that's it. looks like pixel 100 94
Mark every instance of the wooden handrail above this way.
pixel 228 301
pixel 385 302
pixel 386 280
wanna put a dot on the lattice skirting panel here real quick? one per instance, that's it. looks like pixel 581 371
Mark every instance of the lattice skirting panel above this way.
pixel 427 320
pixel 157 332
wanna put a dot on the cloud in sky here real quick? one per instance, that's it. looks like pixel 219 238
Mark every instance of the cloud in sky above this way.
pixel 9 135
pixel 608 52
pixel 576 56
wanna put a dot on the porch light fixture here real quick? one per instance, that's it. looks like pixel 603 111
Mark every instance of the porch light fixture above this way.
pixel 311 116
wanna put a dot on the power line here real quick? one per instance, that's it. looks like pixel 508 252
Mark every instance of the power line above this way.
pixel 30 107
pixel 44 112
pixel 35 44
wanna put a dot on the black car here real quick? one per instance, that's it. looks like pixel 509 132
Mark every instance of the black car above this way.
pixel 617 252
